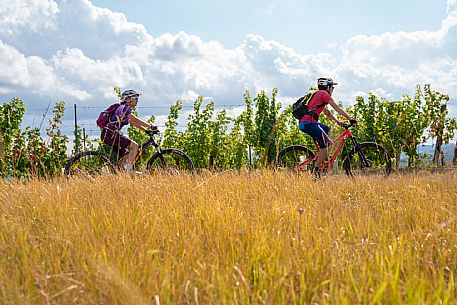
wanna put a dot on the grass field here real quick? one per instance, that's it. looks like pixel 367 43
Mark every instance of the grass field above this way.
pixel 248 238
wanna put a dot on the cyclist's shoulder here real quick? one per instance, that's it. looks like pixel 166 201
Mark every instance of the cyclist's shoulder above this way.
pixel 123 108
pixel 322 95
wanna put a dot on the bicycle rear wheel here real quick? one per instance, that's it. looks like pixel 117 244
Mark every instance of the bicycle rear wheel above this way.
pixel 90 163
pixel 367 159
pixel 291 156
pixel 170 160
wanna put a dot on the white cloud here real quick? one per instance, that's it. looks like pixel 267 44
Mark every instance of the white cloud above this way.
pixel 451 6
pixel 34 16
pixel 396 62
pixel 96 76
pixel 53 52
pixel 32 74
pixel 43 27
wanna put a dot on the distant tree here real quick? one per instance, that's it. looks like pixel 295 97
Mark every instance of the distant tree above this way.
pixel 26 152
pixel 400 126
pixel 173 137
pixel 440 126
pixel 11 115
pixel 57 142
pixel 197 134
pixel 219 148
pixel 266 116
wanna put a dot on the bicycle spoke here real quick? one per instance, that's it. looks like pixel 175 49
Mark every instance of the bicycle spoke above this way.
pixel 291 158
pixel 170 161
pixel 369 159
pixel 91 163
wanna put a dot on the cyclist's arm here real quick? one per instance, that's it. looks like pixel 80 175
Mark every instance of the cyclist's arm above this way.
pixel 339 110
pixel 138 123
pixel 331 116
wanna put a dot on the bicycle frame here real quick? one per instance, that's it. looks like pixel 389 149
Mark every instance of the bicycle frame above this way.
pixel 143 146
pixel 341 140
pixel 98 161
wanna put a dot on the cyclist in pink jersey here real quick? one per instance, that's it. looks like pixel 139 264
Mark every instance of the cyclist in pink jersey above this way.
pixel 319 132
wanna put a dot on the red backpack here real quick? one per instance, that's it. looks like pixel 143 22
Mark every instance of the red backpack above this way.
pixel 103 118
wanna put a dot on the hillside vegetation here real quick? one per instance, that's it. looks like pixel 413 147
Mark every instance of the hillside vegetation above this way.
pixel 229 238
pixel 213 139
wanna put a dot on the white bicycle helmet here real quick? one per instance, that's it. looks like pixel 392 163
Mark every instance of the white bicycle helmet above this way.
pixel 128 93
pixel 325 82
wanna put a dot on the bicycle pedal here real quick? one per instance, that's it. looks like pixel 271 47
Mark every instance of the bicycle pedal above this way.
pixel 134 173
pixel 301 168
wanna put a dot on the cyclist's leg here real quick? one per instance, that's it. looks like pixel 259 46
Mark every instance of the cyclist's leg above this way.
pixel 325 128
pixel 118 143
pixel 112 139
pixel 325 139
pixel 319 133
pixel 129 158
pixel 128 149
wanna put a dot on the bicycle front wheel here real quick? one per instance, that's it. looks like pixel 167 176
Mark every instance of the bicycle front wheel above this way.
pixel 290 157
pixel 170 160
pixel 89 163
pixel 367 159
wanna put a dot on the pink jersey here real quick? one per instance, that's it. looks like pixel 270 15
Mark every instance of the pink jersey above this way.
pixel 320 97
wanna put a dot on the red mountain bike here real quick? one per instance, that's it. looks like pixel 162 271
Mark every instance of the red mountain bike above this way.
pixel 366 158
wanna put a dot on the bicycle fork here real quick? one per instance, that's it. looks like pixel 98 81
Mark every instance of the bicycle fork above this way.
pixel 359 151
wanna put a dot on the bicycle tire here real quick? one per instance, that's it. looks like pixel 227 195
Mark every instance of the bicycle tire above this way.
pixel 91 163
pixel 170 160
pixel 293 155
pixel 377 158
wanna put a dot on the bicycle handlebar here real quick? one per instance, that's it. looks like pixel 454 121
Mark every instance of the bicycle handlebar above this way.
pixel 347 126
pixel 151 133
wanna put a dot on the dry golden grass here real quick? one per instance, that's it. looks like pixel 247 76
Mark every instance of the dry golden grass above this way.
pixel 249 238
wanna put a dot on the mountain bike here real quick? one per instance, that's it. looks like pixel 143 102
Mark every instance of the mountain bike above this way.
pixel 95 162
pixel 366 158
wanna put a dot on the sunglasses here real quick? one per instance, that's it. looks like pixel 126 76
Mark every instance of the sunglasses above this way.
pixel 134 98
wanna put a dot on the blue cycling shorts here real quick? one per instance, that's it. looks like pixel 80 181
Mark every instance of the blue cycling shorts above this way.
pixel 318 131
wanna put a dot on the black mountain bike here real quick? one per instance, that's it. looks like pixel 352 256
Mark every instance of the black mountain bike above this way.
pixel 95 162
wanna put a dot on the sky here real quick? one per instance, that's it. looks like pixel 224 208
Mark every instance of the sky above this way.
pixel 78 50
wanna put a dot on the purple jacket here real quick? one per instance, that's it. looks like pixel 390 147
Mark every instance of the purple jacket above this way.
pixel 120 117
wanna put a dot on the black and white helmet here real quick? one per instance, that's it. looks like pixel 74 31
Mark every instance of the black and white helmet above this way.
pixel 128 93
pixel 325 82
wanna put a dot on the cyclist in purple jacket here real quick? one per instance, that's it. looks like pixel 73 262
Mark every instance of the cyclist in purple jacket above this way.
pixel 111 135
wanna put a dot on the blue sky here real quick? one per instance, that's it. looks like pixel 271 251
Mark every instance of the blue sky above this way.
pixel 305 25
pixel 78 50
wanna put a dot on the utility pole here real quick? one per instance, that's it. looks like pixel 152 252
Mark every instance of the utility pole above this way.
pixel 84 138
pixel 2 146
pixel 454 161
pixel 76 132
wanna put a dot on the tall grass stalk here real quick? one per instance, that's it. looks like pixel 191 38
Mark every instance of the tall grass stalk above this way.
pixel 248 238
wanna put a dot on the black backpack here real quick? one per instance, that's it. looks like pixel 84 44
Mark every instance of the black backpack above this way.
pixel 300 107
